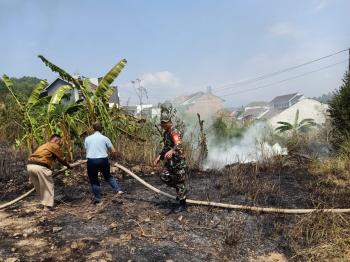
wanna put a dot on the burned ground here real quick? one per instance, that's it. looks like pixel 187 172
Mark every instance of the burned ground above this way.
pixel 141 226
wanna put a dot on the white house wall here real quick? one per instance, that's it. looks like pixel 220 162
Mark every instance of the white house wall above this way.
pixel 308 108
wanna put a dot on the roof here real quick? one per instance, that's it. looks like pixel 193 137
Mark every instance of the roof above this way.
pixel 57 80
pixel 185 100
pixel 231 109
pixel 192 98
pixel 284 98
pixel 254 112
pixel 257 103
pixel 299 96
pixel 115 96
pixel 93 82
pixel 271 113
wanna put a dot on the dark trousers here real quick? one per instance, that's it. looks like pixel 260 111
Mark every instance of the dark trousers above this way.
pixel 95 165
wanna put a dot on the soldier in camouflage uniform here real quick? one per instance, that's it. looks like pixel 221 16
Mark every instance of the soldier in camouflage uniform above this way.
pixel 175 163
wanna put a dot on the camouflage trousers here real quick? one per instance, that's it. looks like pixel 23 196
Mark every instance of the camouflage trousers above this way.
pixel 175 177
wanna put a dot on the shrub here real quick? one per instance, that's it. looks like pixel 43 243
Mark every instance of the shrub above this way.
pixel 339 109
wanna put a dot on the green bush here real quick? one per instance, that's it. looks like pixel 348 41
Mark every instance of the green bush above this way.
pixel 339 109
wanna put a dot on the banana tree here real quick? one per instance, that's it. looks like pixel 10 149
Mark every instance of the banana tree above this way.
pixel 65 118
pixel 96 102
pixel 303 126
pixel 34 103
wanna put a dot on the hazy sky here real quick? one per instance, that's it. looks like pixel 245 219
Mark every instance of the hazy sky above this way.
pixel 180 47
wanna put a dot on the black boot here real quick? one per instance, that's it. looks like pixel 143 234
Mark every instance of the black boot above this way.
pixel 181 207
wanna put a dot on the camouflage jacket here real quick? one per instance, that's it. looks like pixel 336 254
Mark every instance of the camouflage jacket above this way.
pixel 172 140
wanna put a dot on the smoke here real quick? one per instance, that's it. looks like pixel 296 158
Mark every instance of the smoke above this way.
pixel 251 147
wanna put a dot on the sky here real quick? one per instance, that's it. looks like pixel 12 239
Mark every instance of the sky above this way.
pixel 181 47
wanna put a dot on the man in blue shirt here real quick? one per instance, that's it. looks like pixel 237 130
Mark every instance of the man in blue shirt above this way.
pixel 97 147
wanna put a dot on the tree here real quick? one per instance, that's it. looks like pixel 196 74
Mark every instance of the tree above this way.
pixel 325 98
pixel 96 102
pixel 22 87
pixel 339 109
pixel 303 126
pixel 30 122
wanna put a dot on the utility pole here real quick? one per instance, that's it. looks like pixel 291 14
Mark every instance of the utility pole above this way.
pixel 140 95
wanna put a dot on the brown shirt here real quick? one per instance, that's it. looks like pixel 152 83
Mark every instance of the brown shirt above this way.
pixel 46 154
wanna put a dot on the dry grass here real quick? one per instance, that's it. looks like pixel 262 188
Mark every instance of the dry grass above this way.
pixel 142 152
pixel 247 180
pixel 332 186
pixel 321 237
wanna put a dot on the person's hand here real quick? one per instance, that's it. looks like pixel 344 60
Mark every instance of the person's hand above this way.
pixel 156 161
pixel 169 154
pixel 114 155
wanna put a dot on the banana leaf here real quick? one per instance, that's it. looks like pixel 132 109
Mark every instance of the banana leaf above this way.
pixel 9 86
pixel 62 73
pixel 57 97
pixel 108 79
pixel 35 95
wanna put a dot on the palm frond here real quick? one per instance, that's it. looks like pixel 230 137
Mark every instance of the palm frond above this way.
pixel 57 97
pixel 108 79
pixel 62 73
pixel 296 118
pixel 282 123
pixel 73 108
pixel 35 95
pixel 9 85
pixel 282 129
pixel 307 120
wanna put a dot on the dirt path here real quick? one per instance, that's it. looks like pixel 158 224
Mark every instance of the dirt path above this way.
pixel 140 226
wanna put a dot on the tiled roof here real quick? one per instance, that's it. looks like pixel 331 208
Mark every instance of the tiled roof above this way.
pixel 257 103
pixel 271 113
pixel 254 112
pixel 284 98
pixel 185 100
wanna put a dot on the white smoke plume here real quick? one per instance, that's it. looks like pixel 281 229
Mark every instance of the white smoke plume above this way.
pixel 251 147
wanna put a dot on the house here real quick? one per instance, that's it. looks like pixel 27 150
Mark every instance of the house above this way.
pixel 204 103
pixel 286 101
pixel 254 110
pixel 229 114
pixel 308 108
pixel 131 110
pixel 151 112
pixel 148 111
pixel 257 105
pixel 252 114
pixel 75 94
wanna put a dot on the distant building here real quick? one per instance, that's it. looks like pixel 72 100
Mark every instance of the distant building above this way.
pixel 76 94
pixel 131 110
pixel 204 103
pixel 151 112
pixel 229 114
pixel 285 101
pixel 253 114
pixel 308 108
pixel 257 105
pixel 148 111
pixel 254 110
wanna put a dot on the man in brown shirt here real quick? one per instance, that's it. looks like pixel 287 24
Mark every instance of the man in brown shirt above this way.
pixel 39 168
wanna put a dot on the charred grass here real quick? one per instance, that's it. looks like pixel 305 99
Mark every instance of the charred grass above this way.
pixel 203 233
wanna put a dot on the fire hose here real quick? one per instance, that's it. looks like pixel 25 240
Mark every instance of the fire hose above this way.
pixel 198 202
pixel 80 162
pixel 232 206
